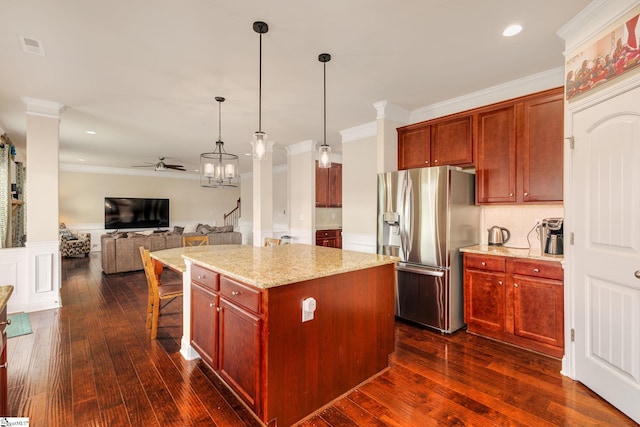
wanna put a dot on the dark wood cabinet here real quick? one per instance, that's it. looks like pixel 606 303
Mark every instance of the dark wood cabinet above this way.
pixel 3 362
pixel 542 148
pixel 496 156
pixel 519 150
pixel 329 238
pixel 523 304
pixel 225 330
pixel 284 368
pixel 204 323
pixel 414 146
pixel 439 142
pixel 239 357
pixel 329 186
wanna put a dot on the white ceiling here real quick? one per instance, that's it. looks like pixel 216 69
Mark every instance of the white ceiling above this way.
pixel 143 74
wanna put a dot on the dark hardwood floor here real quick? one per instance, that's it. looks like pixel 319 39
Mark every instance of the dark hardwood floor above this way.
pixel 91 363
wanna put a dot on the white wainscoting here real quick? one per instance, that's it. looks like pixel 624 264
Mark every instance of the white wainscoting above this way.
pixel 34 272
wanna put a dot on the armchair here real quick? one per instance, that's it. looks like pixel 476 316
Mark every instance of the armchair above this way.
pixel 73 244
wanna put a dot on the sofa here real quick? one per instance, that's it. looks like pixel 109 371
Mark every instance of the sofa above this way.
pixel 73 244
pixel 120 251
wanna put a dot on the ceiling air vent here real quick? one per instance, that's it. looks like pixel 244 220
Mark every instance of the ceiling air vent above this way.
pixel 32 46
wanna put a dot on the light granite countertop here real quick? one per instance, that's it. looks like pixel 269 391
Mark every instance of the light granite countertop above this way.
pixel 269 266
pixel 5 293
pixel 506 251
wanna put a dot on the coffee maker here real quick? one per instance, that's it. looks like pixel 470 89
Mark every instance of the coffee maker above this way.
pixel 551 236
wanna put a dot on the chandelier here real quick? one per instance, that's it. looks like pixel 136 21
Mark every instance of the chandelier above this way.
pixel 219 169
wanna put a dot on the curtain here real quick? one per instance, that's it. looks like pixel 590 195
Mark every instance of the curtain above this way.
pixel 5 193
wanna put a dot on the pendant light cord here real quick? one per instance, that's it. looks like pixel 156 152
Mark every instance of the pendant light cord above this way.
pixel 260 89
pixel 325 103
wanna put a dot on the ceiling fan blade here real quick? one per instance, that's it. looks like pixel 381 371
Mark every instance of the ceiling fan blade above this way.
pixel 143 166
pixel 175 167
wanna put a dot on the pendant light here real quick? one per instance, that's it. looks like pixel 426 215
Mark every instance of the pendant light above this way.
pixel 324 151
pixel 219 169
pixel 261 144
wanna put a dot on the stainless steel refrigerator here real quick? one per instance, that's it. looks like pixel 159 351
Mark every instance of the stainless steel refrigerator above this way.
pixel 424 216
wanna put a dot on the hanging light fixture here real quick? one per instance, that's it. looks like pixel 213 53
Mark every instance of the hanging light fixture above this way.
pixel 219 169
pixel 261 144
pixel 324 151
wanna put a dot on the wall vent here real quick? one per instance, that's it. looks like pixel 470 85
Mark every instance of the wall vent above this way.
pixel 32 46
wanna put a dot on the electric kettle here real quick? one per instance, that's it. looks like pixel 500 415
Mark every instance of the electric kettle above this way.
pixel 498 235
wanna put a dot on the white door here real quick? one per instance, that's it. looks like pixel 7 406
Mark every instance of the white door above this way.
pixel 606 192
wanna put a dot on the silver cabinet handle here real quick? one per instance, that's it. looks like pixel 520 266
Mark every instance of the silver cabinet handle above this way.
pixel 435 161
pixel 235 293
pixel 6 322
pixel 484 263
pixel 499 282
pixel 211 304
pixel 637 274
pixel 426 162
pixel 536 270
pixel 526 194
pixel 3 366
pixel 510 194
pixel 515 285
pixel 218 309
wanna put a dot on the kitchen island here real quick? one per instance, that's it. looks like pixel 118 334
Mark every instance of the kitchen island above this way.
pixel 246 306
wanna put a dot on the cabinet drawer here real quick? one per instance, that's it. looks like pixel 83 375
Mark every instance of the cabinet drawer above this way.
pixel 240 294
pixel 482 262
pixel 205 277
pixel 534 268
pixel 320 234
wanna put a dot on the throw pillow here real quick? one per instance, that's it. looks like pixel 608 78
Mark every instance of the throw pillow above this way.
pixel 66 234
pixel 204 229
pixel 190 228
pixel 178 230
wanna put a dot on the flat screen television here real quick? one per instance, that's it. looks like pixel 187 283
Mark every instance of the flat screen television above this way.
pixel 130 212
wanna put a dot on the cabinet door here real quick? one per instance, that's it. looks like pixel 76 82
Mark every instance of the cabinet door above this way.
pixel 484 300
pixel 239 356
pixel 538 306
pixel 452 142
pixel 496 160
pixel 204 323
pixel 542 149
pixel 322 187
pixel 335 185
pixel 414 147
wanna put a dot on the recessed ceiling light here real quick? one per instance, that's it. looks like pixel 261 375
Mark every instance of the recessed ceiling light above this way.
pixel 90 132
pixel 512 30
pixel 81 160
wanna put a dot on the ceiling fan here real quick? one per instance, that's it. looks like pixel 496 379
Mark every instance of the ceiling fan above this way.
pixel 161 166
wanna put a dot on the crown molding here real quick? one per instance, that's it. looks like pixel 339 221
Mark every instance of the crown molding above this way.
pixel 393 112
pixel 70 167
pixel 593 20
pixel 41 107
pixel 513 89
pixel 355 133
pixel 306 146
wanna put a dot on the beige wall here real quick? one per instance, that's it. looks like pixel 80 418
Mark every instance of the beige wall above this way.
pixel 81 197
pixel 359 186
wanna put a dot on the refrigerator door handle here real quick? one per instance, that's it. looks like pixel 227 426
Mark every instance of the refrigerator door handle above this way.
pixel 418 270
pixel 407 211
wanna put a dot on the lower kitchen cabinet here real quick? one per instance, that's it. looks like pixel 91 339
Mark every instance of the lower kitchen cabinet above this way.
pixel 329 238
pixel 518 301
pixel 225 333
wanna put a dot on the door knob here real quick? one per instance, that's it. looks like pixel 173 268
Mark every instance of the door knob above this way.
pixel 637 274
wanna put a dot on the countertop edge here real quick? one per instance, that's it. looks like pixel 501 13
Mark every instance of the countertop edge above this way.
pixel 506 251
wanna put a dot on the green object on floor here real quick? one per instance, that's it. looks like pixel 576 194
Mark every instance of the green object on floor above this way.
pixel 20 325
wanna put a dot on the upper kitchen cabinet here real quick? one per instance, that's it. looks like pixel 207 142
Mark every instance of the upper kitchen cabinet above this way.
pixel 542 148
pixel 329 186
pixel 519 150
pixel 439 142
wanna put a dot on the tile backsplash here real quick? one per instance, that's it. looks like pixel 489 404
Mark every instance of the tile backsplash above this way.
pixel 519 220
